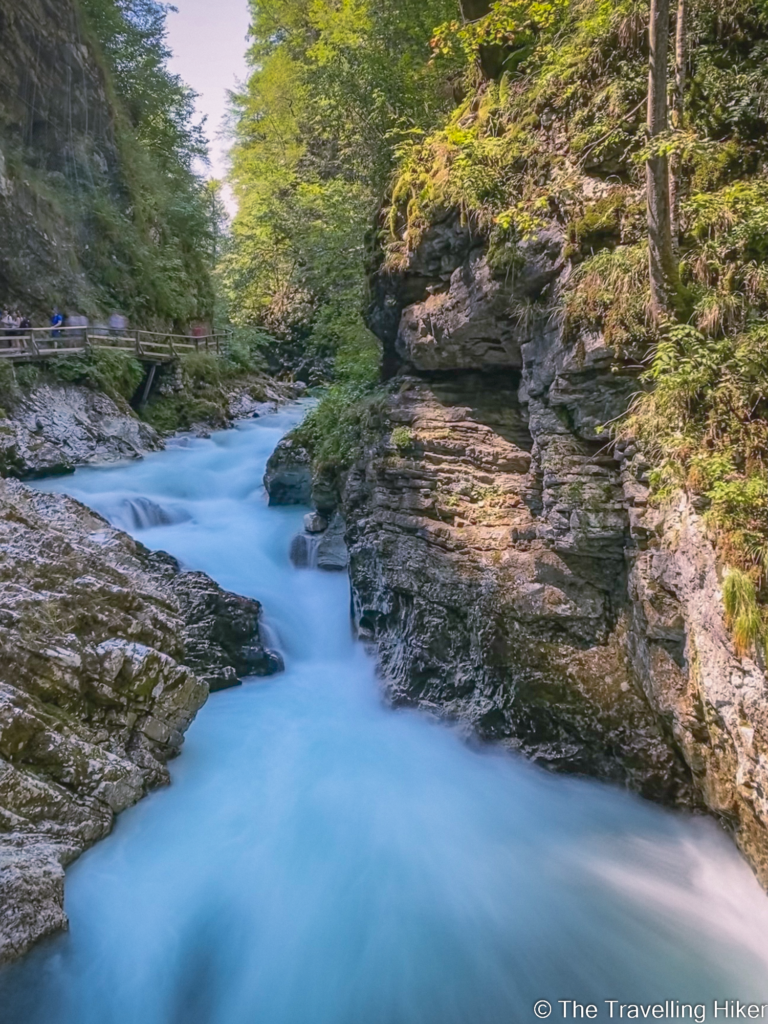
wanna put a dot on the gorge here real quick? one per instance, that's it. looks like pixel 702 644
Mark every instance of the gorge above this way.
pixel 449 556
pixel 322 856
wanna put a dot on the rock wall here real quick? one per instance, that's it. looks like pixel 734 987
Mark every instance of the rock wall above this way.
pixel 56 136
pixel 108 653
pixel 505 560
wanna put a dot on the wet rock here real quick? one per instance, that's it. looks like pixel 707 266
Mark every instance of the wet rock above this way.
pixel 108 654
pixel 325 492
pixel 303 552
pixel 56 428
pixel 332 553
pixel 315 523
pixel 221 633
pixel 288 478
pixel 478 609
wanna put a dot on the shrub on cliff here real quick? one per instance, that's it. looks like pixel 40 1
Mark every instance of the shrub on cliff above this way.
pixel 118 374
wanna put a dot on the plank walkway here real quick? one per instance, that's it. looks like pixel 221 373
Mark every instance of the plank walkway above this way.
pixel 40 343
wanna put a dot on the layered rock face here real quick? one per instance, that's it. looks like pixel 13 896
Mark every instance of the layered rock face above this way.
pixel 505 560
pixel 108 653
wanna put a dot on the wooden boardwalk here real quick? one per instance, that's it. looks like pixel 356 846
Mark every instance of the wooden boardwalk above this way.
pixel 153 347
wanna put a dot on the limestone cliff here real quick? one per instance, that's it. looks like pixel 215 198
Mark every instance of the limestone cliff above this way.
pixel 108 653
pixel 56 131
pixel 99 207
pixel 506 561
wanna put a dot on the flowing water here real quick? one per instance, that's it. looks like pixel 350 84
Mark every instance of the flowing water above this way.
pixel 322 859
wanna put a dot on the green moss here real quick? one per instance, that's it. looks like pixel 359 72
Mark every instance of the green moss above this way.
pixel 116 373
pixel 600 226
pixel 402 438
pixel 183 411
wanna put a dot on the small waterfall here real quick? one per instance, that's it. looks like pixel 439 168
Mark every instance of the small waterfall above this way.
pixel 304 549
pixel 143 513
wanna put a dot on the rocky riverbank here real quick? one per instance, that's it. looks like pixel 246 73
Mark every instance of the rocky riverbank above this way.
pixel 52 428
pixel 109 651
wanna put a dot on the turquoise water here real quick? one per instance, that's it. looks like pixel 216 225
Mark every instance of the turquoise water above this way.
pixel 322 859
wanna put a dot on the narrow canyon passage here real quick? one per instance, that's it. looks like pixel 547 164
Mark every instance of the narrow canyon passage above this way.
pixel 322 859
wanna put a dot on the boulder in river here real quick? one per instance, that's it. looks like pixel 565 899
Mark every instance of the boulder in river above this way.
pixel 315 523
pixel 288 478
pixel 332 553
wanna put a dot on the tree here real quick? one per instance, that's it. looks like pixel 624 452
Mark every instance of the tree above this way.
pixel 337 86
pixel 663 264
pixel 678 105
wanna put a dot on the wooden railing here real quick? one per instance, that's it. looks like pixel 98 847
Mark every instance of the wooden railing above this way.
pixel 148 346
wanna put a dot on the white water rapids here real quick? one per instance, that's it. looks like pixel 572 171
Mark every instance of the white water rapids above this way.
pixel 323 859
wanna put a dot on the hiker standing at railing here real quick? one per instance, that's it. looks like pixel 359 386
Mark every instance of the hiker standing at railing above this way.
pixel 6 323
pixel 57 320
pixel 118 324
pixel 78 321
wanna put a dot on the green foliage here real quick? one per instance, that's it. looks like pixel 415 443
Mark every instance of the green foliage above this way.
pixel 726 261
pixel 7 379
pixel 27 375
pixel 206 381
pixel 513 28
pixel 247 349
pixel 705 424
pixel 181 412
pixel 337 430
pixel 334 87
pixel 610 292
pixel 112 371
pixel 151 233
pixel 402 438
pixel 746 620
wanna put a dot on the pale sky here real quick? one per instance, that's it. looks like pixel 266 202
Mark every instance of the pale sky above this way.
pixel 208 39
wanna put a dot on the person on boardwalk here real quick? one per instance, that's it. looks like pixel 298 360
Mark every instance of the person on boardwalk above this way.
pixel 56 321
pixel 118 324
pixel 77 320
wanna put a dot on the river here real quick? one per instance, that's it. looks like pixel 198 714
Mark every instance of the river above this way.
pixel 323 859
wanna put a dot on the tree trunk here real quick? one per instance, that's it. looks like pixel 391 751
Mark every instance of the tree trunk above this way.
pixel 663 266
pixel 678 106
pixel 474 9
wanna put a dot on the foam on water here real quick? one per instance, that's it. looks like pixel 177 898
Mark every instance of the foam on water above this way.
pixel 322 859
